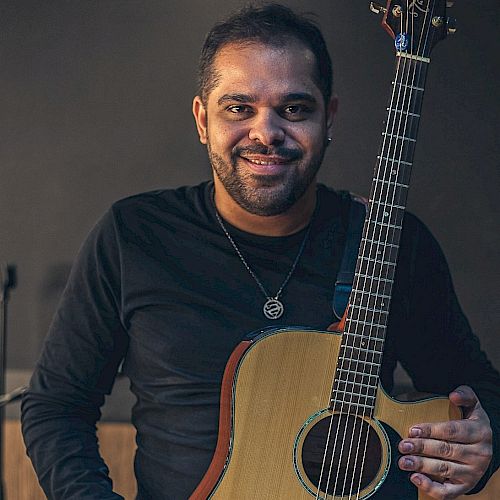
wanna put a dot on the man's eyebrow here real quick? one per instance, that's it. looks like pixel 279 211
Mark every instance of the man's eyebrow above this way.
pixel 300 96
pixel 236 97
pixel 290 97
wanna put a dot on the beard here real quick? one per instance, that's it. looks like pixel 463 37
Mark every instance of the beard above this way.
pixel 265 195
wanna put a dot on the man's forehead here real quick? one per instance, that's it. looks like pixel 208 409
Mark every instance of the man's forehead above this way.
pixel 252 66
pixel 251 49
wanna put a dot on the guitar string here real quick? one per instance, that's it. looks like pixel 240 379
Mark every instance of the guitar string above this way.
pixel 371 370
pixel 348 369
pixel 380 211
pixel 381 247
pixel 406 121
pixel 353 360
pixel 411 105
pixel 405 128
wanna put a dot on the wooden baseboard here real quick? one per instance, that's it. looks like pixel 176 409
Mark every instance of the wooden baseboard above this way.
pixel 117 444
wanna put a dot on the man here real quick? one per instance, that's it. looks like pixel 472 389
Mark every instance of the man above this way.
pixel 169 282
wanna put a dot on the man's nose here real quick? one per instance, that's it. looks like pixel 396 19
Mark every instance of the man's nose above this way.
pixel 267 128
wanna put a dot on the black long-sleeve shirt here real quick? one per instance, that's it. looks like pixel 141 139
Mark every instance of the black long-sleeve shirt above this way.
pixel 157 285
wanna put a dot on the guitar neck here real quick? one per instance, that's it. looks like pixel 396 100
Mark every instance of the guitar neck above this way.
pixel 356 378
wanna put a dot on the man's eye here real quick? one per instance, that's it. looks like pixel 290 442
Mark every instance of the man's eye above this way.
pixel 238 108
pixel 293 109
pixel 296 111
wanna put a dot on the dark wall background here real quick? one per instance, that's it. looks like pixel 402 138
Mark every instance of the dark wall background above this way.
pixel 96 104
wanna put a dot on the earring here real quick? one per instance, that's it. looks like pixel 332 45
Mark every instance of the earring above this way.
pixel 329 140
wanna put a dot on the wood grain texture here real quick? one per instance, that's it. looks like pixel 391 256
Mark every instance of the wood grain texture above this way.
pixel 277 378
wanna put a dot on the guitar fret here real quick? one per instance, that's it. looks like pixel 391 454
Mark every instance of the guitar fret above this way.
pixel 357 361
pixel 347 403
pixel 386 134
pixel 364 347
pixel 383 262
pixel 365 337
pixel 344 370
pixel 381 296
pixel 389 206
pixel 379 252
pixel 340 381
pixel 374 278
pixel 399 184
pixel 388 245
pixel 366 396
pixel 385 224
pixel 394 160
pixel 366 323
pixel 408 86
pixel 365 308
pixel 416 115
pixel 369 351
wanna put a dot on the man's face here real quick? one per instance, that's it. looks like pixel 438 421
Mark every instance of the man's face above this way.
pixel 265 124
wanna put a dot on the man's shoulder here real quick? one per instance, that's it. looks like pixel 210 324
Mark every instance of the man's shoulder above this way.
pixel 143 213
pixel 180 198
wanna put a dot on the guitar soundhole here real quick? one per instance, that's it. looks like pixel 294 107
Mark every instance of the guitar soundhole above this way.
pixel 353 456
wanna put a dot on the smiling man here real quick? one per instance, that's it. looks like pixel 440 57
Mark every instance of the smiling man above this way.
pixel 170 282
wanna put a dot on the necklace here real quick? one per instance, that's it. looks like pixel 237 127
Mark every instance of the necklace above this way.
pixel 273 307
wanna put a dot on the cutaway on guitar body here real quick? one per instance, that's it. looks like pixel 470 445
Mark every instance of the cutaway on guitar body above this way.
pixel 275 414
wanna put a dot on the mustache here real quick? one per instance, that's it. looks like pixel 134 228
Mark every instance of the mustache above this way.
pixel 288 154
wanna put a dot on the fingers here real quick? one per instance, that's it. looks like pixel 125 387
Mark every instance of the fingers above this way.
pixel 477 456
pixel 439 470
pixel 437 490
pixel 437 449
pixel 466 398
pixel 457 431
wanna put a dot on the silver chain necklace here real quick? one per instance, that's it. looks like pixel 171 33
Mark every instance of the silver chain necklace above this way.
pixel 273 307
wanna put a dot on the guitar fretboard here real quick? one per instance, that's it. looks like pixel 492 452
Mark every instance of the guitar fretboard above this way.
pixel 356 377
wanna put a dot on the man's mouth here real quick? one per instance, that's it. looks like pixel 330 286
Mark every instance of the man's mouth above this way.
pixel 266 160
pixel 265 165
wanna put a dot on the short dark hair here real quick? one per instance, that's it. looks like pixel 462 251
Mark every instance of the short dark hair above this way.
pixel 271 24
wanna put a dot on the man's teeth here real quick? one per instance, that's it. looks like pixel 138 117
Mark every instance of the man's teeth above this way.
pixel 263 162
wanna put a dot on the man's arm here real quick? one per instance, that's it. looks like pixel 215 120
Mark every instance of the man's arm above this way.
pixel 77 367
pixel 441 353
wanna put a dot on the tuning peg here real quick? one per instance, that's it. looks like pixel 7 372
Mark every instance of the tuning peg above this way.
pixel 449 4
pixel 377 8
pixel 451 25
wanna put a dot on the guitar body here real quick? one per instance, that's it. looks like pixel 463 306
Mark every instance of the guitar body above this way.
pixel 274 420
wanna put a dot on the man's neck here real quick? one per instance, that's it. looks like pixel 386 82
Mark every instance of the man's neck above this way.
pixel 293 220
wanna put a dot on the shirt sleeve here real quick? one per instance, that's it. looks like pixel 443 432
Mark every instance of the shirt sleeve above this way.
pixel 439 349
pixel 77 367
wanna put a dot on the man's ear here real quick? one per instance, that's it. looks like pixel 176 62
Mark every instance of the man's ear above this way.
pixel 200 117
pixel 331 110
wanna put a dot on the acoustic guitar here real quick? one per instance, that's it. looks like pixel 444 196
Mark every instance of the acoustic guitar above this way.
pixel 302 412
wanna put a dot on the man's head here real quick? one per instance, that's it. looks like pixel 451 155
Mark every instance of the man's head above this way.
pixel 264 110
pixel 274 25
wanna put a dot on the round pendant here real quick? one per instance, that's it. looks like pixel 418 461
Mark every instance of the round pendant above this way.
pixel 273 309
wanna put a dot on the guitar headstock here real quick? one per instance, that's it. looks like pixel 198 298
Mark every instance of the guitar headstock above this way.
pixel 416 25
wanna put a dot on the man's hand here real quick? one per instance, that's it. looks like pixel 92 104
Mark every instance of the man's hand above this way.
pixel 449 458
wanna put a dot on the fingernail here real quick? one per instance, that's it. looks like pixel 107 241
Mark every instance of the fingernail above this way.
pixel 417 480
pixel 407 447
pixel 415 432
pixel 408 462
